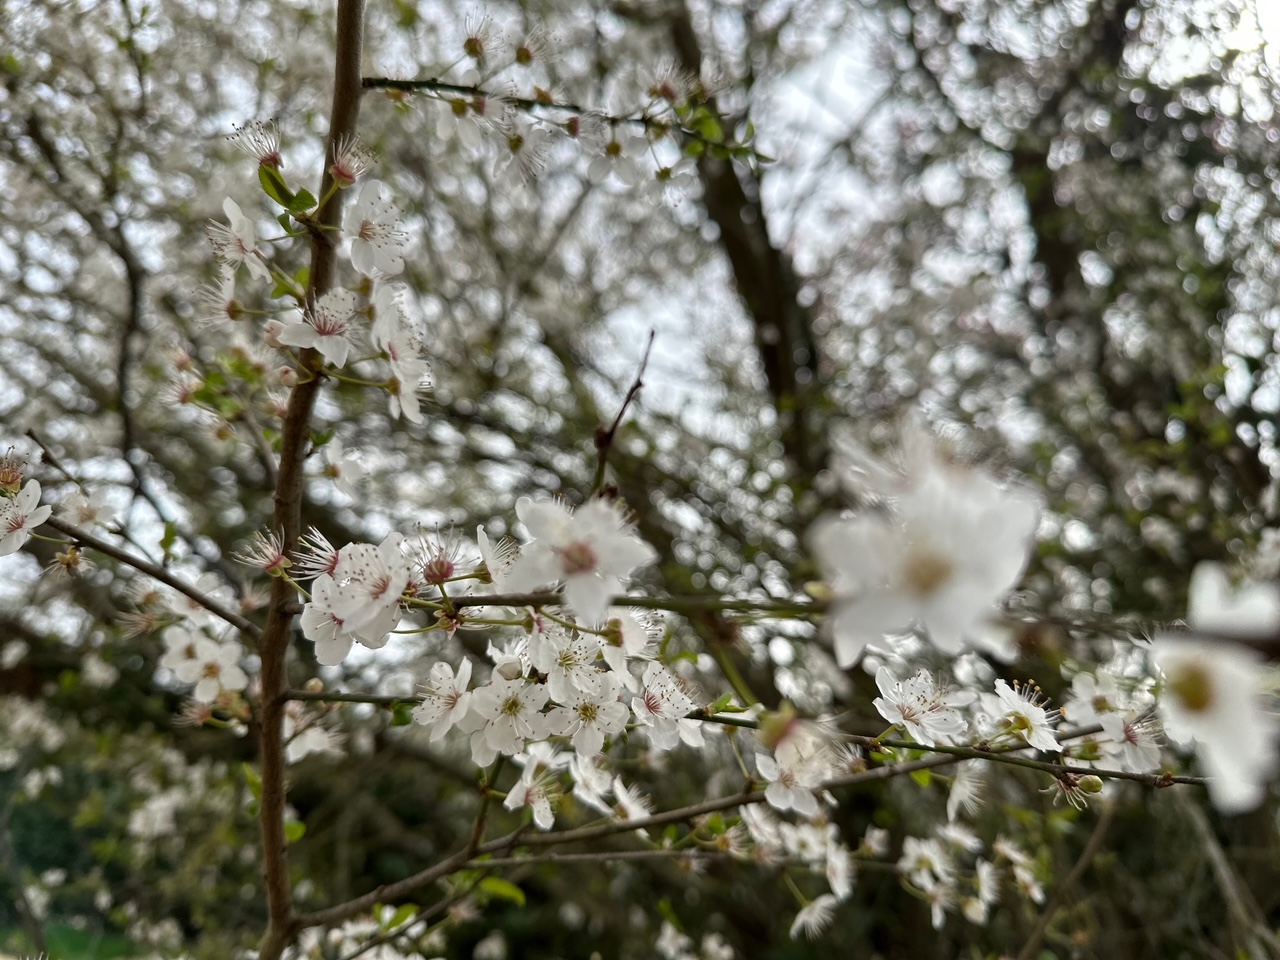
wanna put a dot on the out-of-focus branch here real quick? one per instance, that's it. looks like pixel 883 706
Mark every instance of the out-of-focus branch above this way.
pixel 347 90
pixel 159 573
pixel 1091 850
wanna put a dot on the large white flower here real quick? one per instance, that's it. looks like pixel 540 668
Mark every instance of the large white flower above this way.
pixel 504 714
pixel 590 551
pixel 1214 695
pixel 954 544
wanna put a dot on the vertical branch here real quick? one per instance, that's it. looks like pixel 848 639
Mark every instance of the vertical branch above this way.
pixel 288 495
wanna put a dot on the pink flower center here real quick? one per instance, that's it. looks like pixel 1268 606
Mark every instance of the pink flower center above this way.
pixel 577 558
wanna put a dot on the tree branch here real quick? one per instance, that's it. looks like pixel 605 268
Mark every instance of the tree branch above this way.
pixel 347 91
pixel 158 573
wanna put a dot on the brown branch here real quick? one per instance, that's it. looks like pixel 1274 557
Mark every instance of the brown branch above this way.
pixel 604 438
pixel 347 91
pixel 246 627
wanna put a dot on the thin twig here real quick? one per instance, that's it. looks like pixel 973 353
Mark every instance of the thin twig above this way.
pixel 604 438
pixel 158 573
pixel 1057 769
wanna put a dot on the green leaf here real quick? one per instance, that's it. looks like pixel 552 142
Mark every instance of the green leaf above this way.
pixel 254 781
pixel 406 912
pixel 285 221
pixel 401 714
pixel 294 830
pixel 302 202
pixel 502 890
pixel 724 703
pixel 922 777
pixel 170 537
pixel 273 186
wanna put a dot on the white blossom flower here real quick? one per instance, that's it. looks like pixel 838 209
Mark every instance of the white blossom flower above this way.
pixel 966 789
pixel 671 183
pixel 352 159
pixel 568 661
pixel 370 581
pixel 590 550
pixel 790 788
pixel 926 862
pixel 446 699
pixel 498 556
pixel 814 917
pixel 373 223
pixel 328 327
pixel 590 715
pixel 955 544
pixel 259 140
pixel 212 667
pixel 629 634
pixel 306 735
pixel 344 467
pixel 333 637
pixel 926 712
pixel 631 803
pixel 591 783
pixel 537 791
pixel 19 515
pixel 234 242
pixel 504 714
pixel 528 147
pixel 409 374
pixel 1019 710
pixel 661 708
pixel 618 156
pixel 1214 696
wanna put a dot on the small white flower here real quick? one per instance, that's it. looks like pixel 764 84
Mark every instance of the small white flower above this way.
pixel 234 243
pixel 328 328
pixel 591 783
pixel 258 140
pixel 344 467
pixel 588 716
pixel 373 223
pixel 790 788
pixel 536 790
pixel 661 706
pixel 670 184
pixel 966 789
pixel 814 917
pixel 1018 710
pixel 370 580
pixel 506 714
pixel 618 156
pixel 212 667
pixel 926 712
pixel 631 803
pixel 20 515
pixel 446 699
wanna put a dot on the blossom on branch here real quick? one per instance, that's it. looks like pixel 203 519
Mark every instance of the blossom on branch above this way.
pixel 377 242
pixel 590 551
pixel 234 242
pixel 19 516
